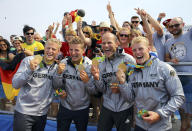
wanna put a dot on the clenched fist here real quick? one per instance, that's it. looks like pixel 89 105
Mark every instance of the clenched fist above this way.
pixel 84 77
pixel 61 68
pixel 33 64
pixel 95 72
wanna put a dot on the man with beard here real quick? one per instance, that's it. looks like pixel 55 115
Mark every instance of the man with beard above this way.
pixel 178 49
pixel 115 110
pixel 155 88
pixel 34 78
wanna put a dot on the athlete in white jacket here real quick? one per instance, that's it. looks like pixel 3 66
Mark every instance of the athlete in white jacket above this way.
pixel 154 87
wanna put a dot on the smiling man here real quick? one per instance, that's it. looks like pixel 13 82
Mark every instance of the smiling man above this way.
pixel 30 44
pixel 154 86
pixel 77 84
pixel 115 110
pixel 34 78
pixel 178 49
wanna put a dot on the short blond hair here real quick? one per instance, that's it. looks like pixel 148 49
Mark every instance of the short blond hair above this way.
pixel 70 32
pixel 77 40
pixel 54 40
pixel 137 32
pixel 140 39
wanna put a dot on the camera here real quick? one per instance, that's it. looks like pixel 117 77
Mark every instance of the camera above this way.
pixel 119 50
pixel 97 48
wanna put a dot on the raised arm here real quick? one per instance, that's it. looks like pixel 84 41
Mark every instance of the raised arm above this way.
pixel 160 17
pixel 87 41
pixel 155 24
pixel 69 19
pixel 56 29
pixel 112 18
pixel 147 27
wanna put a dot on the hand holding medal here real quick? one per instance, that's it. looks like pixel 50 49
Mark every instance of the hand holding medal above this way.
pixel 121 73
pixel 35 62
pixel 83 75
pixel 81 68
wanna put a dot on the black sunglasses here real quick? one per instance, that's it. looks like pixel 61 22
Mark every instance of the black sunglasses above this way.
pixel 135 22
pixel 29 33
pixel 104 30
pixel 86 33
pixel 175 25
pixel 121 35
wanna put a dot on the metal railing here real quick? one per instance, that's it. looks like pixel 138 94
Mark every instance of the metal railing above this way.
pixel 182 64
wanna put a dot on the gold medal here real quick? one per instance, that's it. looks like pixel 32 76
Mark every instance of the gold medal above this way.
pixel 95 62
pixel 122 67
pixel 81 67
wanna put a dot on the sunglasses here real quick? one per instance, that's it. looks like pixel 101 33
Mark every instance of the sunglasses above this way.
pixel 30 33
pixel 175 25
pixel 135 22
pixel 121 35
pixel 104 30
pixel 86 33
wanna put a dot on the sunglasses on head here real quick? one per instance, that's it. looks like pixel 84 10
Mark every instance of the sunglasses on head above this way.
pixel 125 35
pixel 175 25
pixel 29 33
pixel 105 29
pixel 135 22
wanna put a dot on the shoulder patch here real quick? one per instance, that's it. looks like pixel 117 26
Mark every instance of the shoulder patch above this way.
pixel 172 73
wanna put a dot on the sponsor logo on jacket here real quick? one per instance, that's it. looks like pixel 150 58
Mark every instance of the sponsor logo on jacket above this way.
pixel 144 84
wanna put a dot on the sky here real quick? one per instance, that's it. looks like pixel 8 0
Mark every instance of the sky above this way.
pixel 14 14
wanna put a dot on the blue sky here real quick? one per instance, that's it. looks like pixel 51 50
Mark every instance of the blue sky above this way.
pixel 14 14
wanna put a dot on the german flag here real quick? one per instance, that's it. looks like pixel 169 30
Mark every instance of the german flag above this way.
pixel 7 72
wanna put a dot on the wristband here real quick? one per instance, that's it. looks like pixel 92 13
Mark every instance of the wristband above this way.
pixel 158 19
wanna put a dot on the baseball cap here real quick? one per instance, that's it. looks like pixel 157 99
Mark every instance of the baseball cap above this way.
pixel 17 38
pixel 166 22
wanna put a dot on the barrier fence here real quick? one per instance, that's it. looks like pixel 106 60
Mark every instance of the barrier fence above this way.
pixel 182 64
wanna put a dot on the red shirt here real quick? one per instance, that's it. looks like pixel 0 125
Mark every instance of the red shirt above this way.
pixel 128 50
pixel 65 49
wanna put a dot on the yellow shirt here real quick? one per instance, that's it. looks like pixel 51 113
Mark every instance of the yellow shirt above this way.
pixel 35 46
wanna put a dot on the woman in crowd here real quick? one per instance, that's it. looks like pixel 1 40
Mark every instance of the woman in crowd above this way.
pixel 124 36
pixel 87 35
pixel 4 51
